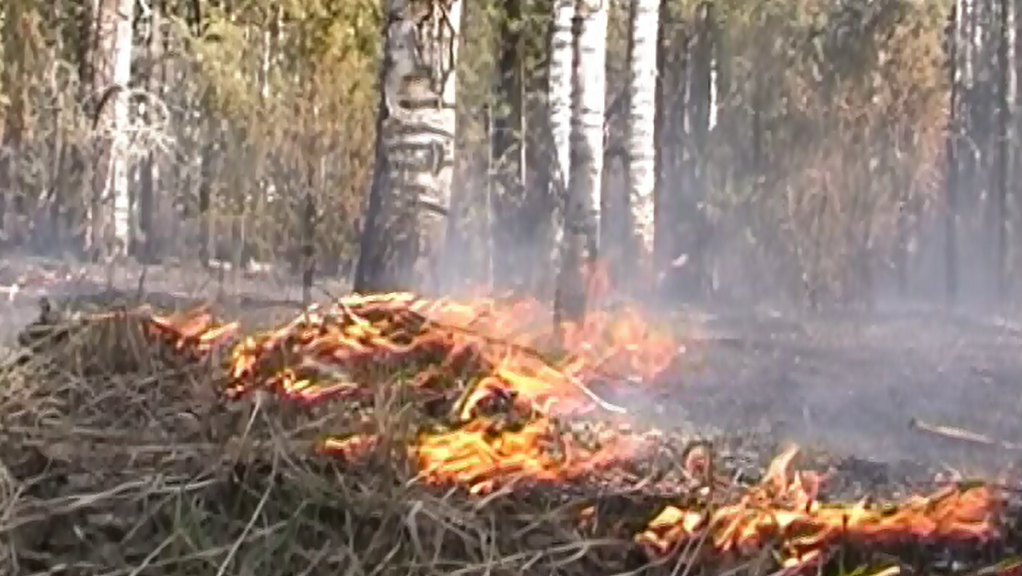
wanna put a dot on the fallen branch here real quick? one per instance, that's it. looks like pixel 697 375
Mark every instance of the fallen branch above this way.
pixel 962 435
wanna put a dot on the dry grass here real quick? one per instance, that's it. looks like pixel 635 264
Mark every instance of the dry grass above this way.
pixel 117 458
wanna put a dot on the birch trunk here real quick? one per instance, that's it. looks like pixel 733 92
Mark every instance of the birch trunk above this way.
pixel 644 24
pixel 562 50
pixel 111 66
pixel 580 245
pixel 561 59
pixel 405 232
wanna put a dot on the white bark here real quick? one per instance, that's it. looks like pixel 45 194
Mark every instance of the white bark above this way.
pixel 419 91
pixel 580 243
pixel 561 58
pixel 644 22
pixel 112 74
pixel 589 106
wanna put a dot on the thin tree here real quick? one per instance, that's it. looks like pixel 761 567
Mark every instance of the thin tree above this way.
pixel 507 198
pixel 111 73
pixel 406 221
pixel 1003 151
pixel 580 244
pixel 145 247
pixel 644 19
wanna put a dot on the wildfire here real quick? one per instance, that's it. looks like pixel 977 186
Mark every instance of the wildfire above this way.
pixel 502 404
pixel 784 510
pixel 194 330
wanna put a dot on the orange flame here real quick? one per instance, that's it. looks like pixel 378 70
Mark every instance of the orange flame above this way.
pixel 784 509
pixel 505 401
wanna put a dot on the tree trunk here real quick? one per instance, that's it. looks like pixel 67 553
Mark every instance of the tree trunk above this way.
pixel 580 245
pixel 562 50
pixel 507 200
pixel 417 135
pixel 467 166
pixel 644 20
pixel 112 22
pixel 19 64
pixel 207 175
pixel 559 98
pixel 1003 152
pixel 145 247
pixel 669 139
pixel 700 103
pixel 951 178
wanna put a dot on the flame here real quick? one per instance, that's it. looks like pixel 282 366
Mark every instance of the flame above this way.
pixel 193 330
pixel 481 457
pixel 784 509
pixel 506 401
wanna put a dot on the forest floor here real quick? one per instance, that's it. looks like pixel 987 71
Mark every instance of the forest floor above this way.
pixel 846 387
pixel 850 383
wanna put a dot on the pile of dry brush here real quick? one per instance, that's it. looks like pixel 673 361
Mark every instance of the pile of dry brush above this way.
pixel 118 455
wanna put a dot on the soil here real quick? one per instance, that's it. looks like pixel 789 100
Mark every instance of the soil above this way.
pixel 850 385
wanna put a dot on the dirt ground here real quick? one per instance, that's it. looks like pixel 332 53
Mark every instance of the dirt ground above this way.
pixel 849 385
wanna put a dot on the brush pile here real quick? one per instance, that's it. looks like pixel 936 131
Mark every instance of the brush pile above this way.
pixel 392 434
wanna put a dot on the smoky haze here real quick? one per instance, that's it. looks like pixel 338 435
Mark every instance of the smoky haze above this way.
pixel 811 199
pixel 807 167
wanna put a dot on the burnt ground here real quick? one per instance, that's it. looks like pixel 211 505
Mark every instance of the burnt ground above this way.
pixel 848 385
pixel 854 385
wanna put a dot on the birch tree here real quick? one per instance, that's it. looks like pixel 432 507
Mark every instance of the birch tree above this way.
pixel 580 244
pixel 559 105
pixel 644 21
pixel 406 221
pixel 561 59
pixel 111 68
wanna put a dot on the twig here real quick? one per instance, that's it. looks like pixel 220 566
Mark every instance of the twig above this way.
pixel 962 435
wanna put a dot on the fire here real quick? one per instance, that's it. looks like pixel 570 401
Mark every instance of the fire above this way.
pixel 481 457
pixel 784 509
pixel 193 330
pixel 503 402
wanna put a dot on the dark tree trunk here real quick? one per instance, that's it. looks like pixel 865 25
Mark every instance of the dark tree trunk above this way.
pixel 541 199
pixel 951 180
pixel 507 200
pixel 700 101
pixel 1003 152
pixel 669 134
pixel 210 156
pixel 146 248
pixel 370 265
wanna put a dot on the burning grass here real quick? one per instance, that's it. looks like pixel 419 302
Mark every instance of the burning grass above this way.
pixel 391 434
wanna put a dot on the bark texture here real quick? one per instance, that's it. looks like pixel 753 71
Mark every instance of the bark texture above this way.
pixel 644 24
pixel 405 229
pixel 111 74
pixel 580 246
